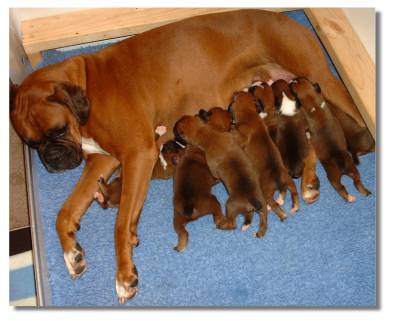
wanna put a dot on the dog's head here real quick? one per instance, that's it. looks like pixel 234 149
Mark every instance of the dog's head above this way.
pixel 186 128
pixel 172 151
pixel 244 104
pixel 308 95
pixel 47 114
pixel 285 101
pixel 263 94
pixel 218 118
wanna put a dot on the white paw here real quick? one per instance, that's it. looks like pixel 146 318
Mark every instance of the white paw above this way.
pixel 245 227
pixel 280 201
pixel 75 262
pixel 124 292
pixel 161 130
pixel 351 198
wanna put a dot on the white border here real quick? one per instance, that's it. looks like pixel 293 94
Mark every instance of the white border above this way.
pixel 386 162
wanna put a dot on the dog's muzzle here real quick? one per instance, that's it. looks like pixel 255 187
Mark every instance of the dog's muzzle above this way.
pixel 58 156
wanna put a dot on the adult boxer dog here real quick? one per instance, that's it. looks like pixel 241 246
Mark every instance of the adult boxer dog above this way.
pixel 112 100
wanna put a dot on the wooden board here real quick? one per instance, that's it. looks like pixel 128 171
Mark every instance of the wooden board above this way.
pixel 350 57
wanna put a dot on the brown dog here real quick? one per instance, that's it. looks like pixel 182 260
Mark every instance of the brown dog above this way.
pixel 117 96
pixel 263 153
pixel 192 194
pixel 228 163
pixel 327 137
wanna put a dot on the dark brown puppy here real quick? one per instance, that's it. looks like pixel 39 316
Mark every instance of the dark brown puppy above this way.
pixel 263 153
pixel 192 194
pixel 287 128
pixel 228 162
pixel 359 140
pixel 109 194
pixel 265 98
pixel 327 137
pixel 292 141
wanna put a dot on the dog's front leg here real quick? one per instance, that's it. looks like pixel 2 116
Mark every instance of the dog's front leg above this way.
pixel 137 166
pixel 68 220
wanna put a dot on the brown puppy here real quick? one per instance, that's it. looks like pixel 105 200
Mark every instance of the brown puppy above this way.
pixel 359 140
pixel 292 141
pixel 327 137
pixel 263 153
pixel 287 128
pixel 192 194
pixel 265 98
pixel 228 162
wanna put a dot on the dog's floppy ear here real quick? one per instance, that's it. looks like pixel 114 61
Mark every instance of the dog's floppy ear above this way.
pixel 317 88
pixel 73 97
pixel 13 91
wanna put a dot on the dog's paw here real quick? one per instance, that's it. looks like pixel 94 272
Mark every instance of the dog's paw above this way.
pixel 98 197
pixel 351 198
pixel 179 249
pixel 294 209
pixel 127 287
pixel 75 261
pixel 280 200
pixel 245 227
pixel 310 196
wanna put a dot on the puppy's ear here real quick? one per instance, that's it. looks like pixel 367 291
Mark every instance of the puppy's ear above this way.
pixel 317 88
pixel 74 98
pixel 259 106
pixel 13 91
pixel 204 115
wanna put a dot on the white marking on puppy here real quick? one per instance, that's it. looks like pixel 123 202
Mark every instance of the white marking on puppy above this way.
pixel 257 83
pixel 262 114
pixel 245 90
pixel 162 159
pixel 308 135
pixel 288 106
pixel 280 200
pixel 351 198
pixel 179 144
pixel 312 110
pixel 90 146
pixel 270 82
pixel 323 104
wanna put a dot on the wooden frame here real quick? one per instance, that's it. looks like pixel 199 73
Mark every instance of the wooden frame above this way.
pixel 350 57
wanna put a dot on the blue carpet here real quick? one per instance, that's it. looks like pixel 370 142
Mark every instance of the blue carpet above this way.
pixel 323 256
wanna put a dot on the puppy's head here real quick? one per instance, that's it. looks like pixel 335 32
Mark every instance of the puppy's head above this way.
pixel 308 95
pixel 244 104
pixel 47 114
pixel 217 118
pixel 285 101
pixel 172 151
pixel 186 128
pixel 263 94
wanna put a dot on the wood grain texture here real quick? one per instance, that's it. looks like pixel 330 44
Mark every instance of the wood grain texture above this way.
pixel 350 57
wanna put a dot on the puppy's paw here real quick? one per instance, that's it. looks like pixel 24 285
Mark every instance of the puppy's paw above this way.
pixel 98 197
pixel 126 287
pixel 294 209
pixel 280 200
pixel 351 198
pixel 310 196
pixel 260 234
pixel 161 130
pixel 245 227
pixel 75 261
pixel 179 249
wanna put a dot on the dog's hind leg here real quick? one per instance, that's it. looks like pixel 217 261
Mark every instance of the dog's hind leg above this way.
pixel 179 222
pixel 294 195
pixel 247 220
pixel 334 176
pixel 353 172
pixel 262 222
pixel 310 184
pixel 68 220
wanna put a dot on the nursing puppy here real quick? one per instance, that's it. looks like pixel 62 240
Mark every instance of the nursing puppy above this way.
pixel 327 137
pixel 262 151
pixel 227 162
pixel 192 194
pixel 264 96
pixel 292 129
pixel 109 194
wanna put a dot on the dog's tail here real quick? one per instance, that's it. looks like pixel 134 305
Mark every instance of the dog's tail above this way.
pixel 255 203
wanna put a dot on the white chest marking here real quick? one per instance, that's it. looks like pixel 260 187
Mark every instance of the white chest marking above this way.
pixel 89 146
pixel 262 114
pixel 323 104
pixel 162 159
pixel 308 135
pixel 312 110
pixel 288 106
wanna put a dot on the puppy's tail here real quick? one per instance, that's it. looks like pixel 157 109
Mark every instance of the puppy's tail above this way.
pixel 255 203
